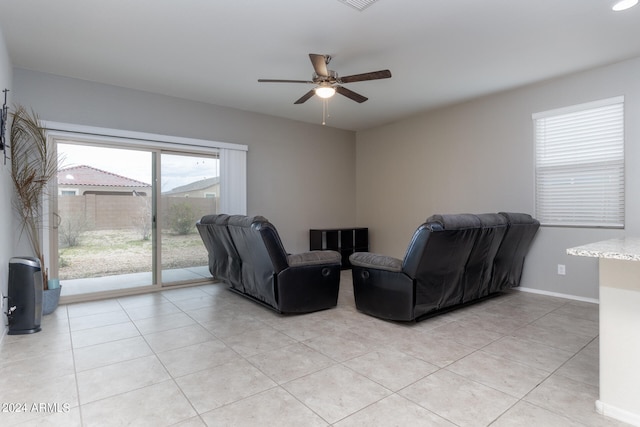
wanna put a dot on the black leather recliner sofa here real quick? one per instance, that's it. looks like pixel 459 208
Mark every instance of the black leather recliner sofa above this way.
pixel 451 260
pixel 247 254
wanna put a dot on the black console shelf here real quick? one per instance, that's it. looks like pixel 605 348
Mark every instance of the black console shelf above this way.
pixel 343 240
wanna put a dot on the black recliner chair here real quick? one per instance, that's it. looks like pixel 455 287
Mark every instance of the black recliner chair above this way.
pixel 450 261
pixel 287 283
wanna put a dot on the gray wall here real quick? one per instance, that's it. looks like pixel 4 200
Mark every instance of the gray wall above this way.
pixel 478 157
pixel 471 157
pixel 6 188
pixel 300 176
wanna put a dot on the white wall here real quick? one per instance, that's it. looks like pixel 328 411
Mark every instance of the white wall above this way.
pixel 6 187
pixel 300 176
pixel 478 157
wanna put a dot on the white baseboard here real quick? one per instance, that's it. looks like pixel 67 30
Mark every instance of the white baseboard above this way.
pixel 617 413
pixel 558 295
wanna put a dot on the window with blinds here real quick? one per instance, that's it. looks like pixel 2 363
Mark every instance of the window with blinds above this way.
pixel 580 165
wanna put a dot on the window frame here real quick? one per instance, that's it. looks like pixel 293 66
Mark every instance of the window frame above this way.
pixel 618 165
pixel 233 169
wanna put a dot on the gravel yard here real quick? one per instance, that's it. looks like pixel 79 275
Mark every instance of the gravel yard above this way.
pixel 112 252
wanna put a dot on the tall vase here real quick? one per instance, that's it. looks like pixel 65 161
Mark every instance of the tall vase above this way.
pixel 51 297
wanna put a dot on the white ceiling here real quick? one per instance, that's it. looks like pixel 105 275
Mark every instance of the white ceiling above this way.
pixel 439 51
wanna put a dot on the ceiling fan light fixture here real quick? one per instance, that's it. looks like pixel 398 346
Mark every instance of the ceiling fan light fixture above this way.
pixel 624 5
pixel 325 91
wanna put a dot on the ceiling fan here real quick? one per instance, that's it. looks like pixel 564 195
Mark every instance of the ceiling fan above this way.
pixel 328 82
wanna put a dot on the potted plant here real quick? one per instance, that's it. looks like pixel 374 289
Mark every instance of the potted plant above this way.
pixel 33 164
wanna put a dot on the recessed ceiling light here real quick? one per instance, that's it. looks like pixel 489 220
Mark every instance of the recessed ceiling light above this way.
pixel 624 5
pixel 358 4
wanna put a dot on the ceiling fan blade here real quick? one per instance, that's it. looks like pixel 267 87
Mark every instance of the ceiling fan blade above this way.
pixel 283 81
pixel 319 64
pixel 374 75
pixel 305 97
pixel 351 94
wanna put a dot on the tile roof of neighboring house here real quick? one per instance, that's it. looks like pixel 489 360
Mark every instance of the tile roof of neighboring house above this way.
pixel 87 175
pixel 194 186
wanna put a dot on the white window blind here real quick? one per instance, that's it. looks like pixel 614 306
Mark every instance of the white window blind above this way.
pixel 233 175
pixel 580 165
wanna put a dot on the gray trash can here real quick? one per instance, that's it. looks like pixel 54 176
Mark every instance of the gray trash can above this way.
pixel 24 308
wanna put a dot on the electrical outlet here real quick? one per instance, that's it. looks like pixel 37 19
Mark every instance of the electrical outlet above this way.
pixel 562 269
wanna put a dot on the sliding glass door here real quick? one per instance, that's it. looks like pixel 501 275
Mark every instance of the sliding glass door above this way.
pixel 190 189
pixel 124 216
pixel 103 218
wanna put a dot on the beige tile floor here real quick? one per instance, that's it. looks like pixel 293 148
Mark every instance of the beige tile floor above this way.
pixel 206 356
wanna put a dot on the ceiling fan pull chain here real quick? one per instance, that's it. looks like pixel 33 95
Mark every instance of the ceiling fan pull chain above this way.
pixel 324 112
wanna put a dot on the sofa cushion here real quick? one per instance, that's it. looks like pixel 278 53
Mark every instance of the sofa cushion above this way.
pixel 314 258
pixel 371 260
pixel 245 221
pixel 509 261
pixel 479 267
pixel 223 262
pixel 519 218
pixel 492 220
pixel 455 221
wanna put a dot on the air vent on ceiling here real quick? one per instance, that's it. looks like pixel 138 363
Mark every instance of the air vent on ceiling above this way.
pixel 358 4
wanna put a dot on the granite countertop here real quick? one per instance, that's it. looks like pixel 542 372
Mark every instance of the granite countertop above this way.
pixel 627 248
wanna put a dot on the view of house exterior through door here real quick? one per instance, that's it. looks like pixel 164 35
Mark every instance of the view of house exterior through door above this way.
pixel 125 217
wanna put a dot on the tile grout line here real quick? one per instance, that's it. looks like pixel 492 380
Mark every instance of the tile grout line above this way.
pixel 75 370
pixel 171 377
pixel 336 362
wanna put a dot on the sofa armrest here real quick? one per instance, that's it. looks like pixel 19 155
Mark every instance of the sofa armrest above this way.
pixel 314 258
pixel 376 261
